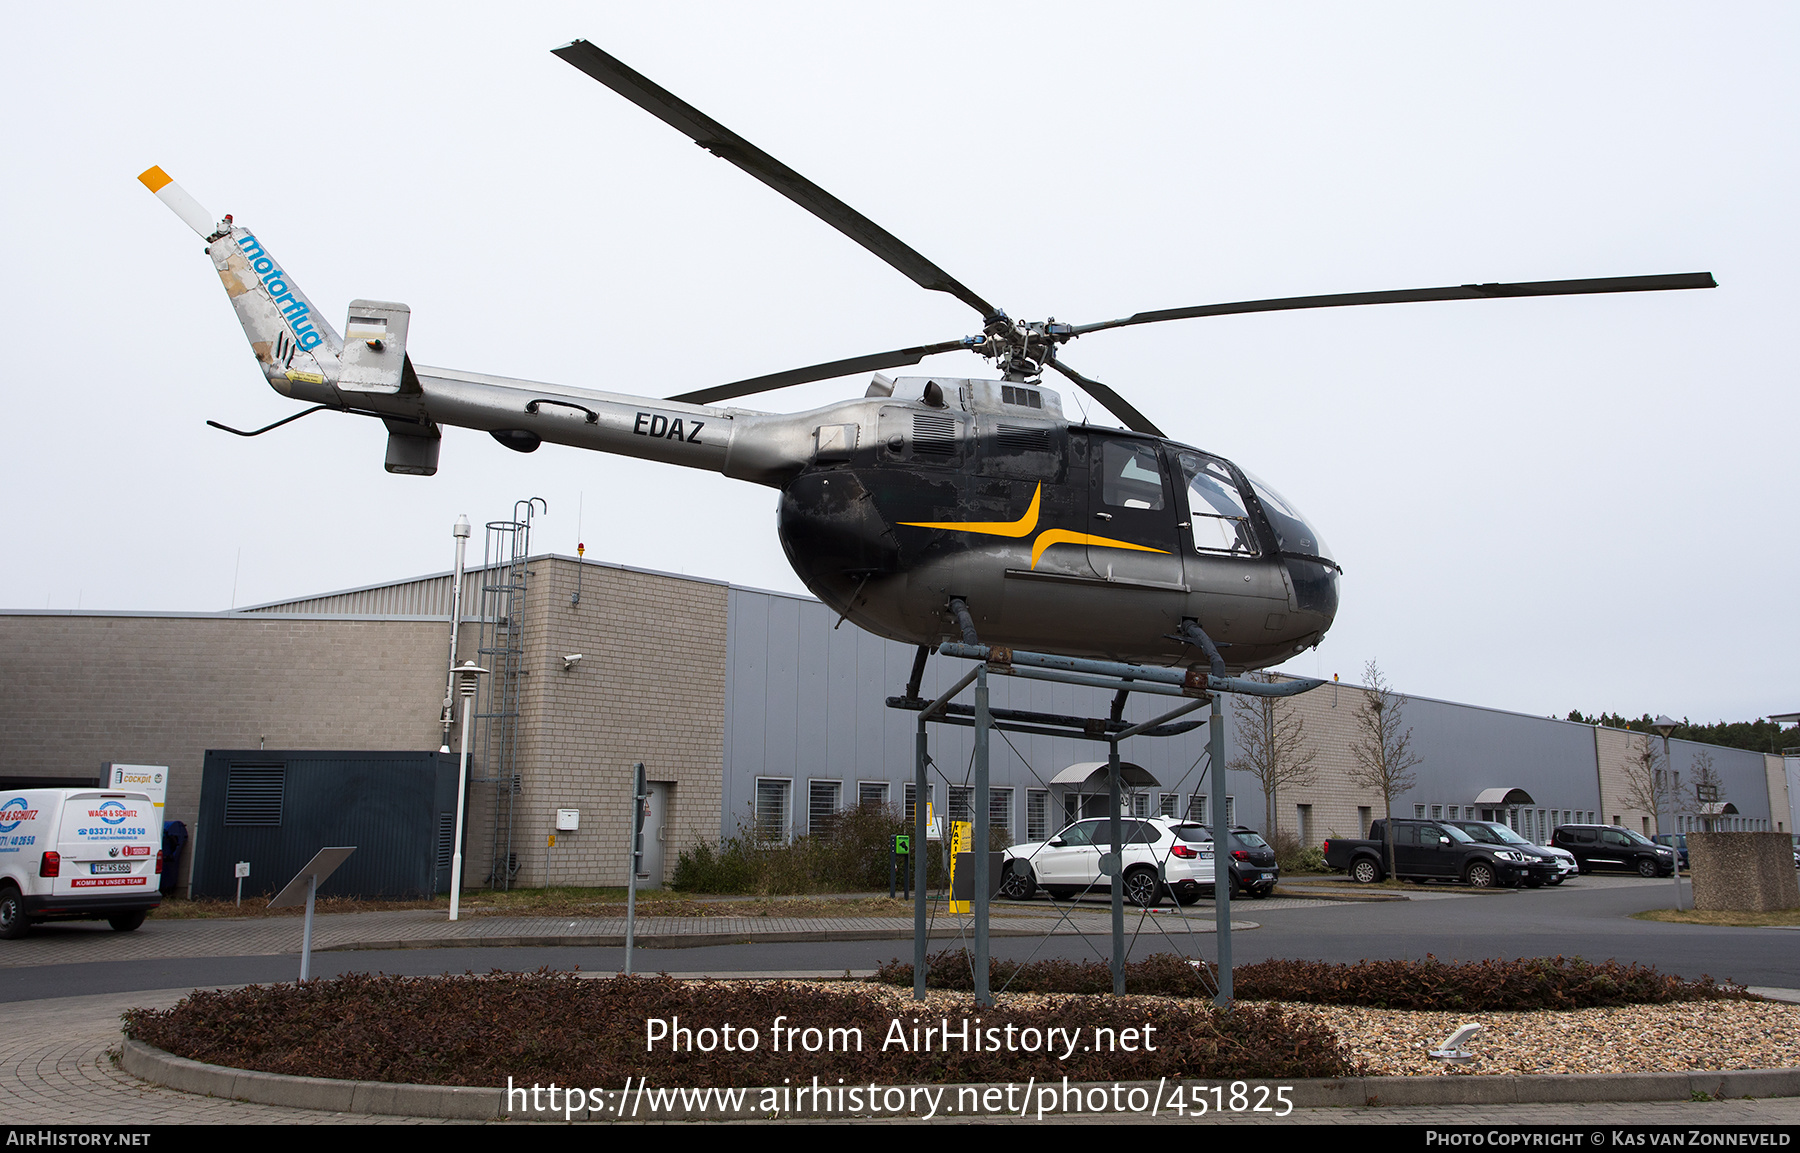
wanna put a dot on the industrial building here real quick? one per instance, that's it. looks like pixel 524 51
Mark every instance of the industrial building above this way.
pixel 748 708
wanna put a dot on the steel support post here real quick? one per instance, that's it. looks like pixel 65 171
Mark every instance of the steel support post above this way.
pixel 1114 800
pixel 1221 829
pixel 983 997
pixel 312 888
pixel 919 862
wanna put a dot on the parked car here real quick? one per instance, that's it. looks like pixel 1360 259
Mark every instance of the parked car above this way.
pixel 1614 847
pixel 1253 868
pixel 1677 840
pixel 1435 851
pixel 1161 855
pixel 1495 833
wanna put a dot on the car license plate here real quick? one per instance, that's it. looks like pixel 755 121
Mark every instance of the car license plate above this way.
pixel 112 866
pixel 1267 876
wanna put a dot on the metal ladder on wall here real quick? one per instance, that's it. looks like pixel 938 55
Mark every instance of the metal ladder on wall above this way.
pixel 502 649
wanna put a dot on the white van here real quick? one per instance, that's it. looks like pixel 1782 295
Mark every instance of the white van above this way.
pixel 78 855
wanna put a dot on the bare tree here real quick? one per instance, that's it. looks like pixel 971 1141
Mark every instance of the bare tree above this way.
pixel 1644 782
pixel 1383 748
pixel 1709 791
pixel 1271 738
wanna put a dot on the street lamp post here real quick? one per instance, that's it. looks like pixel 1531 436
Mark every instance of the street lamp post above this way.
pixel 467 677
pixel 1665 726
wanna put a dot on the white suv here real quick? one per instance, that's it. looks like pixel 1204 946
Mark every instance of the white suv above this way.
pixel 1160 854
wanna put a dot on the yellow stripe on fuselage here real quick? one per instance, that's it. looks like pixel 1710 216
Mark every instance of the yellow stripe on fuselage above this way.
pixel 1020 527
pixel 1023 527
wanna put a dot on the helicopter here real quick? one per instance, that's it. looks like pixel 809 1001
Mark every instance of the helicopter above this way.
pixel 932 508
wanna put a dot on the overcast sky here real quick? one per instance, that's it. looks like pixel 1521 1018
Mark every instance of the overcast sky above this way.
pixel 1539 504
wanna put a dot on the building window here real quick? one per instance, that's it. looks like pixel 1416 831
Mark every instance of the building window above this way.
pixel 872 793
pixel 1167 803
pixel 962 803
pixel 1418 812
pixel 822 806
pixel 1365 816
pixel 911 802
pixel 1230 811
pixel 772 797
pixel 1000 810
pixel 1140 804
pixel 1037 815
pixel 1303 824
pixel 1437 812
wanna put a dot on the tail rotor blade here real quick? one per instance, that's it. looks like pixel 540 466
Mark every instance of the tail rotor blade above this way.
pixel 178 200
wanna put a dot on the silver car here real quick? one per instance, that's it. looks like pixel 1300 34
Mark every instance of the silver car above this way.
pixel 1161 855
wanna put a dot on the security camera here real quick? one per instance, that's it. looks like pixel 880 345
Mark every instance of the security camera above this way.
pixel 571 661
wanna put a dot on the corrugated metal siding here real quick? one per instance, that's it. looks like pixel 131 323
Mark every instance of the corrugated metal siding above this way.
pixel 424 597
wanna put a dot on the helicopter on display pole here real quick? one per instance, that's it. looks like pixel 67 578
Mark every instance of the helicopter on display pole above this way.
pixel 932 508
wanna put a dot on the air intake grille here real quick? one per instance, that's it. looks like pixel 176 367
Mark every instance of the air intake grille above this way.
pixel 1015 438
pixel 446 839
pixel 253 794
pixel 933 435
pixel 1025 397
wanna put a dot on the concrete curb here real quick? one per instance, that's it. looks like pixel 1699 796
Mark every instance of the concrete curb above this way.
pixel 476 1104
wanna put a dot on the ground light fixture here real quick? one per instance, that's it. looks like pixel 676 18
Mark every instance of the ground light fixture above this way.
pixel 1451 1049
pixel 468 676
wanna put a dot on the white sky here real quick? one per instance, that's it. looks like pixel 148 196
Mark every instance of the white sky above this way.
pixel 1540 504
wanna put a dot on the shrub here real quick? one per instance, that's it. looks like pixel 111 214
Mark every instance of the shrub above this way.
pixel 555 1027
pixel 1293 857
pixel 850 856
pixel 1475 986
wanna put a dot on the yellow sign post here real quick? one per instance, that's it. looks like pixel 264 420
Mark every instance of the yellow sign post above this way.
pixel 962 840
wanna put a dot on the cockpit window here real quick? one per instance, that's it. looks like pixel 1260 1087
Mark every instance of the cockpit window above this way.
pixel 1217 515
pixel 1133 477
pixel 1292 532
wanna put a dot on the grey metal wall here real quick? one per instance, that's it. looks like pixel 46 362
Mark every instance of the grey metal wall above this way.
pixel 393 806
pixel 1465 749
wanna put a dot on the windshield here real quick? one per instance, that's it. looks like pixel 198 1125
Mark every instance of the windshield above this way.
pixel 1457 834
pixel 1502 833
pixel 1639 838
pixel 1292 533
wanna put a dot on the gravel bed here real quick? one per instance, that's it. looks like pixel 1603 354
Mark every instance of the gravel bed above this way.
pixel 1708 1035
pixel 1686 1035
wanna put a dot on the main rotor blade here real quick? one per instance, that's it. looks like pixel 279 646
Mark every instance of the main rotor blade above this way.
pixel 874 362
pixel 1115 404
pixel 1413 295
pixel 728 145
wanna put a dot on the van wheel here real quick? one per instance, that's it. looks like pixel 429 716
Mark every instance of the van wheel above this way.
pixel 1646 867
pixel 12 913
pixel 126 922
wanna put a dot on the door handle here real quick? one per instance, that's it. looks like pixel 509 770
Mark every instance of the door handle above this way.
pixel 1103 516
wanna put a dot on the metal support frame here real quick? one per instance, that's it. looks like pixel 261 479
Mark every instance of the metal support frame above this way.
pixel 1201 688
